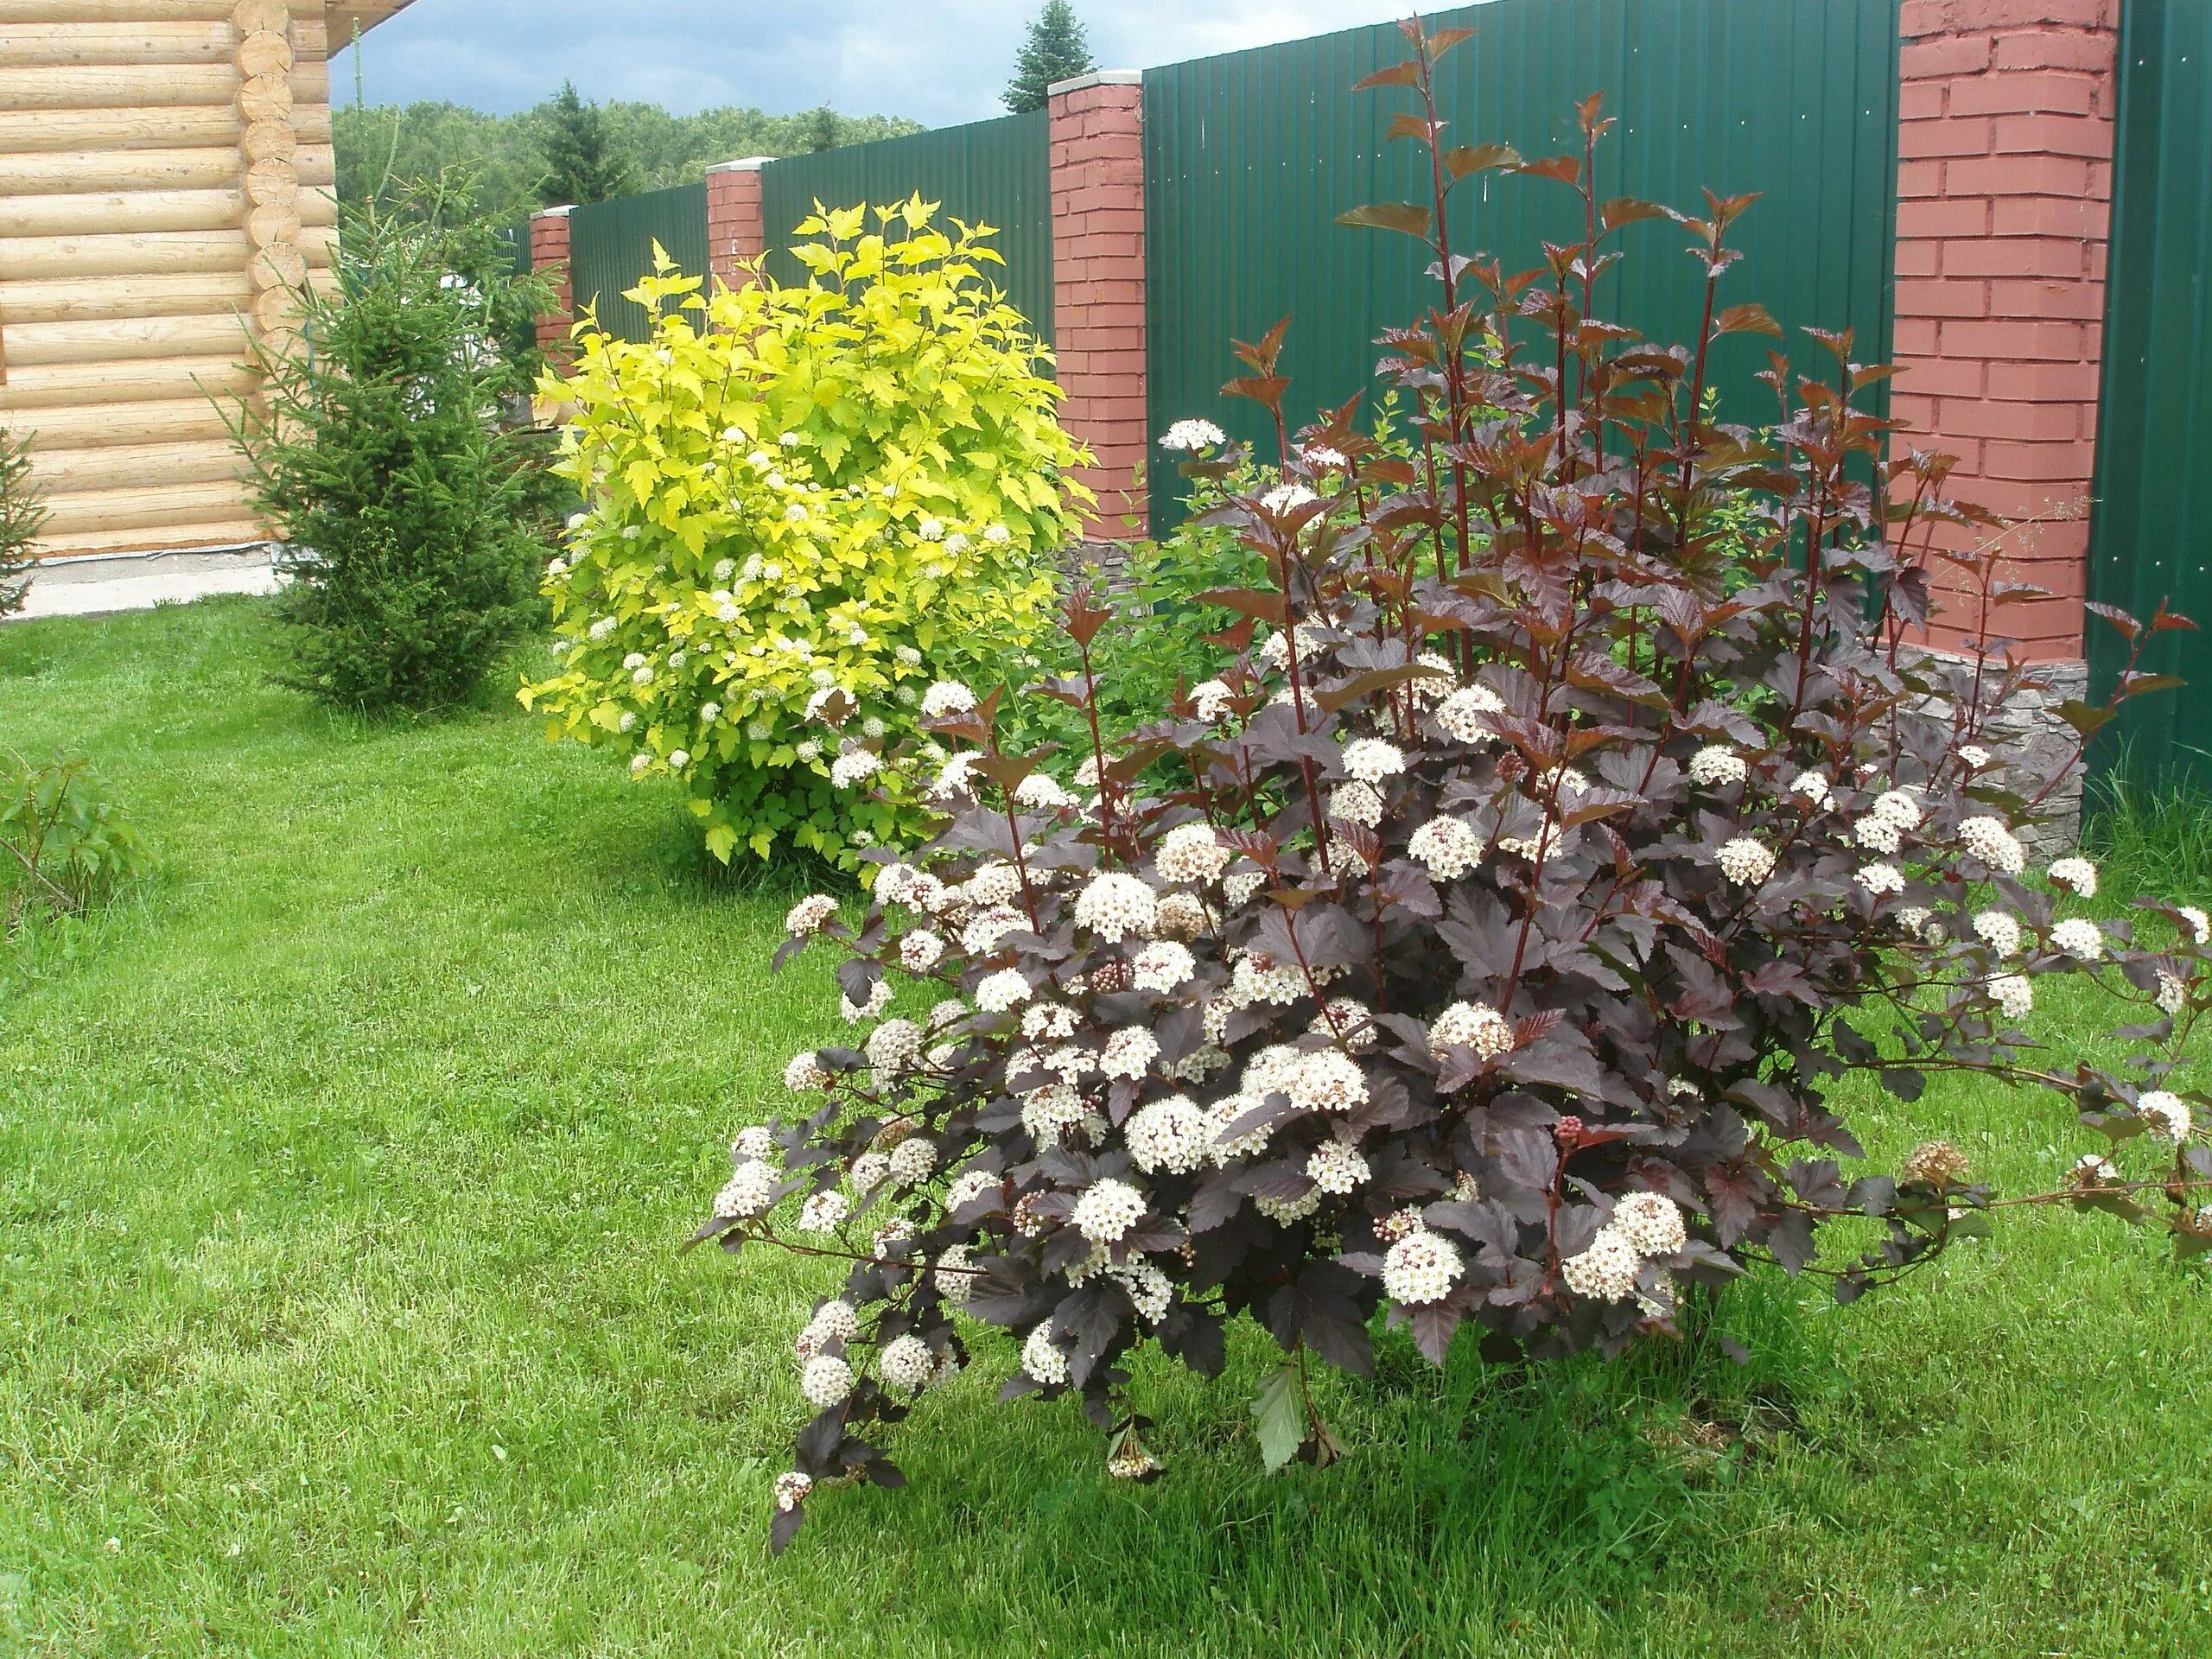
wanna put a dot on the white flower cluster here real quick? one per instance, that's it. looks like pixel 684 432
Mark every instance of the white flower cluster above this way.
pixel 1745 861
pixel 1190 436
pixel 1989 841
pixel 1115 905
pixel 2085 941
pixel 947 697
pixel 1470 1024
pixel 1190 852
pixel 1356 803
pixel 1716 766
pixel 2077 875
pixel 1163 966
pixel 1446 847
pixel 1107 1211
pixel 1371 760
pixel 1643 1225
pixel 1042 1358
pixel 1336 1166
pixel 1421 1269
pixel 1462 714
pixel 750 1192
pixel 1998 930
pixel 2166 1114
pixel 1171 1134
pixel 811 915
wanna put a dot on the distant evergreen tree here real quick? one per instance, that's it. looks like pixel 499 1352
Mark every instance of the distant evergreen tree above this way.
pixel 582 164
pixel 1057 49
pixel 817 130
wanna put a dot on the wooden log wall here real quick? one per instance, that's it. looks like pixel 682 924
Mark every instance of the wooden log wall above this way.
pixel 166 178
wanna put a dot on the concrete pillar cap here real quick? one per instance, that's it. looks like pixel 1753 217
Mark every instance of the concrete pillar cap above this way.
pixel 745 164
pixel 1096 77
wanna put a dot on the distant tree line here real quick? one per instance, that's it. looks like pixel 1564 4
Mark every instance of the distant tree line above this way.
pixel 566 150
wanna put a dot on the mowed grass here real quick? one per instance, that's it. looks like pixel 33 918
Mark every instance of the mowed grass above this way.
pixel 343 1166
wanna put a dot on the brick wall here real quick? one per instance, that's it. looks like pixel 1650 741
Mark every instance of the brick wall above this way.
pixel 737 225
pixel 1098 271
pixel 548 254
pixel 2004 186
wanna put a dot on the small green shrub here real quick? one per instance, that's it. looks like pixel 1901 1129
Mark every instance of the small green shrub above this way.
pixel 380 454
pixel 67 843
pixel 805 502
pixel 22 515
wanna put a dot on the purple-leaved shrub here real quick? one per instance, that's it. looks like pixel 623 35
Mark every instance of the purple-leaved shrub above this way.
pixel 1486 945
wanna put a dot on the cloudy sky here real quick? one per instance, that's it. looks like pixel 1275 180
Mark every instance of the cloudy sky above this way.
pixel 937 61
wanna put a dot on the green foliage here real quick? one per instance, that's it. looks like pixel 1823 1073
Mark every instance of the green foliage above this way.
pixel 805 501
pixel 582 163
pixel 509 155
pixel 65 841
pixel 1055 49
pixel 21 516
pixel 2151 833
pixel 380 454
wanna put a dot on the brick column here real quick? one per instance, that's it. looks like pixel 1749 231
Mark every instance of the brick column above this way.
pixel 2005 185
pixel 549 252
pixel 1098 274
pixel 737 224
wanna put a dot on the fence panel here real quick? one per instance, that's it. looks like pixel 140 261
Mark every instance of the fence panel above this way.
pixel 1250 158
pixel 611 247
pixel 2153 488
pixel 989 172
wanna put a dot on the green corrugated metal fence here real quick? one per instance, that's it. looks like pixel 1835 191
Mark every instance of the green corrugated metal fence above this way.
pixel 989 172
pixel 1250 158
pixel 611 247
pixel 2154 445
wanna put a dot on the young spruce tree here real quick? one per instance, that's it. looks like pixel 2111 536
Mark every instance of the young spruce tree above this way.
pixel 1057 49
pixel 582 165
pixel 377 449
pixel 21 516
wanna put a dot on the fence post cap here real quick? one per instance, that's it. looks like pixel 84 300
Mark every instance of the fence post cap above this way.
pixel 553 213
pixel 1096 77
pixel 746 164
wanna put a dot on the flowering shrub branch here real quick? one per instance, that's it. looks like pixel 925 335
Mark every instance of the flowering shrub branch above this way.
pixel 1512 910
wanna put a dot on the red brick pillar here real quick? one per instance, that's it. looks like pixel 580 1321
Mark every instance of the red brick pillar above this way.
pixel 549 255
pixel 1098 313
pixel 737 224
pixel 2004 186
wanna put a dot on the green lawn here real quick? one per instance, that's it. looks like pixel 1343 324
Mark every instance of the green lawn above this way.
pixel 342 1168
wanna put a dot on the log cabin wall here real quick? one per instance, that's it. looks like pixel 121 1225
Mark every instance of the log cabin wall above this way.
pixel 166 178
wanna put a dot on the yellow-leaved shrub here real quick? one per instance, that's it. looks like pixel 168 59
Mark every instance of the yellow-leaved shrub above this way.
pixel 805 505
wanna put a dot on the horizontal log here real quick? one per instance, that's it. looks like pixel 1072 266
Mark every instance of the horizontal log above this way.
pixel 220 533
pixel 74 172
pixel 134 210
pixel 67 384
pixel 116 11
pixel 151 86
pixel 72 513
pixel 124 339
pixel 135 466
pixel 91 426
pixel 28 258
pixel 113 43
pixel 90 299
pixel 27 131
pixel 118 86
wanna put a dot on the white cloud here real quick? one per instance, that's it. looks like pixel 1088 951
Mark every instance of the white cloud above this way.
pixel 938 61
